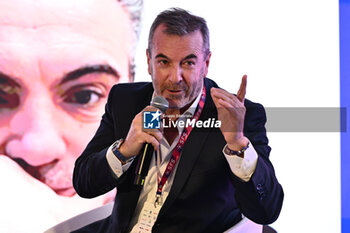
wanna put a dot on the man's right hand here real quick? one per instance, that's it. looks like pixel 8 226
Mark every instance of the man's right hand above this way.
pixel 137 136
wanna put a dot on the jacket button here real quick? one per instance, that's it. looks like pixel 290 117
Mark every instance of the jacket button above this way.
pixel 259 187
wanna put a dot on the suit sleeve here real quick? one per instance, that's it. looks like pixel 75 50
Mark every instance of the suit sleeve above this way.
pixel 260 199
pixel 92 174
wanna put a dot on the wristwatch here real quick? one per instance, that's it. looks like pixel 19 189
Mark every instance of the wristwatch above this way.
pixel 239 153
pixel 115 149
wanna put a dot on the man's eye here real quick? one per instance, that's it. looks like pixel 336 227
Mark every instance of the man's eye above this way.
pixel 189 63
pixel 9 97
pixel 163 62
pixel 83 95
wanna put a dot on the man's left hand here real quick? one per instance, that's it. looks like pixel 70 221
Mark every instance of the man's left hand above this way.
pixel 231 112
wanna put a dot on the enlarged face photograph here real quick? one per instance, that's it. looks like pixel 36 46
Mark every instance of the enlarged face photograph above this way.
pixel 58 61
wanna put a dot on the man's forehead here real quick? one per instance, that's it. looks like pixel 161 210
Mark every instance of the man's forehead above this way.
pixel 186 46
pixel 60 35
pixel 61 21
pixel 183 57
pixel 38 13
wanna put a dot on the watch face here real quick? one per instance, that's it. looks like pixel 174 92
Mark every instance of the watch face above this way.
pixel 117 144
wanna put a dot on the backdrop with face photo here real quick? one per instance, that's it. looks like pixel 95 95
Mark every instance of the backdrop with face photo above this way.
pixel 58 61
pixel 290 52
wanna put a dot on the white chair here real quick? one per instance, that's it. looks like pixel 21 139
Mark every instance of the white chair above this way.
pixel 83 219
pixel 245 226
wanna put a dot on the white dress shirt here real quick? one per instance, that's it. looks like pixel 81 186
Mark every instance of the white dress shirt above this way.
pixel 241 167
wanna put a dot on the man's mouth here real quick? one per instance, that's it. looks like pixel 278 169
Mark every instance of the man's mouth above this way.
pixel 175 91
pixel 67 192
pixel 39 172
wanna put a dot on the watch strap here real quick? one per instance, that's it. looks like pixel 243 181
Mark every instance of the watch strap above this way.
pixel 239 153
pixel 115 149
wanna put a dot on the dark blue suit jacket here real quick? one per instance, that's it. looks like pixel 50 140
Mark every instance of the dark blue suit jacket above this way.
pixel 205 195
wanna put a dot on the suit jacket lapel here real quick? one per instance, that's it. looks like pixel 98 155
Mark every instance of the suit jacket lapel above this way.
pixel 190 153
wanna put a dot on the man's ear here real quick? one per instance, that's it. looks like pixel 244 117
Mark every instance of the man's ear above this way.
pixel 148 61
pixel 207 61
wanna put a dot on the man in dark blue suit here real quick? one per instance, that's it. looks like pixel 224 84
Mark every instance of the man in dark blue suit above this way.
pixel 201 179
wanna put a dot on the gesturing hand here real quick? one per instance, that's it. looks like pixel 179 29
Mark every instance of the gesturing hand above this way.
pixel 231 112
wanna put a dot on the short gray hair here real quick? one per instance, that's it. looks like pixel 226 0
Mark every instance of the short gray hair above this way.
pixel 180 22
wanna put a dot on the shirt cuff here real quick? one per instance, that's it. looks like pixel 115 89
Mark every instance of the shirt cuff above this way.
pixel 115 164
pixel 243 168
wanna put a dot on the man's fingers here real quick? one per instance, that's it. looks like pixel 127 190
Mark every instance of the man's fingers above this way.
pixel 240 94
pixel 219 94
pixel 150 139
pixel 156 134
pixel 217 91
pixel 215 98
pixel 150 108
pixel 242 89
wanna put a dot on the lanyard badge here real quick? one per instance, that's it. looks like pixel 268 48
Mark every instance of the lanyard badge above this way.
pixel 177 151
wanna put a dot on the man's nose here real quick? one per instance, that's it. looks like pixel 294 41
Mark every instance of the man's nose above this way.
pixel 35 136
pixel 175 75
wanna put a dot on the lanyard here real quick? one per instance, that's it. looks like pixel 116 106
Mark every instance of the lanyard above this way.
pixel 178 149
